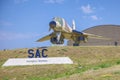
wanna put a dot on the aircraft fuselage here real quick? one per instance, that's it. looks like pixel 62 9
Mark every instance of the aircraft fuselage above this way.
pixel 59 25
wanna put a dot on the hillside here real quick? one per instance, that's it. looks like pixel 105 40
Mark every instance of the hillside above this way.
pixel 107 31
pixel 90 63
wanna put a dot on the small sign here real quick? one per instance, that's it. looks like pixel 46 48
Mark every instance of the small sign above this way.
pixel 37 61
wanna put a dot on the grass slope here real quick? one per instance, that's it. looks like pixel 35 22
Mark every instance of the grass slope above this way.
pixel 90 63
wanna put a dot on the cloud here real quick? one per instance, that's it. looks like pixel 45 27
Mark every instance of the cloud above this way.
pixel 5 23
pixel 87 9
pixel 90 12
pixel 15 36
pixel 94 17
pixel 54 1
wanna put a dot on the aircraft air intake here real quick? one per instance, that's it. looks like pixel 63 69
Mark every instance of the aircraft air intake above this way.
pixel 52 24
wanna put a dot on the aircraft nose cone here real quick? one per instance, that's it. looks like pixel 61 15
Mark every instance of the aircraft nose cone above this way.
pixel 52 24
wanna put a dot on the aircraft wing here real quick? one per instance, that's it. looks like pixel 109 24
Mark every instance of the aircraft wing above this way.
pixel 45 38
pixel 77 33
pixel 68 36
pixel 95 36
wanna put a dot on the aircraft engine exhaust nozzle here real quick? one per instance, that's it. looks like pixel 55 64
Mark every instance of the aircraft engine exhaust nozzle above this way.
pixel 52 24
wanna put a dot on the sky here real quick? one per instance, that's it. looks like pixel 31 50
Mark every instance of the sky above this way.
pixel 22 22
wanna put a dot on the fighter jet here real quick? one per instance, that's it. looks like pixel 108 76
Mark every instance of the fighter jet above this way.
pixel 61 31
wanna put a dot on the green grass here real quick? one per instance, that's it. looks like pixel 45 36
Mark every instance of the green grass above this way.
pixel 5 78
pixel 38 78
pixel 117 72
pixel 118 62
pixel 93 59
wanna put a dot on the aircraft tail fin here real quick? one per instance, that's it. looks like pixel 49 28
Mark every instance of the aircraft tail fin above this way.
pixel 73 25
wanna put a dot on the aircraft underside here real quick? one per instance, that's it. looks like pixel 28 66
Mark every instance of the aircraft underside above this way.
pixel 54 40
pixel 77 40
